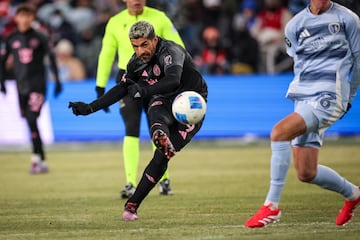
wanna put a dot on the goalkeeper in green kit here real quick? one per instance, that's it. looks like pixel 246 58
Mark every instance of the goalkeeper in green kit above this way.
pixel 116 40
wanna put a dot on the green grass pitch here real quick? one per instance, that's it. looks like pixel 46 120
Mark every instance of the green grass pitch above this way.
pixel 216 188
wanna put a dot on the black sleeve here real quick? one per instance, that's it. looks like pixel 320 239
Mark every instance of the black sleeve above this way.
pixel 110 97
pixel 168 83
pixel 172 59
pixel 50 52
pixel 4 53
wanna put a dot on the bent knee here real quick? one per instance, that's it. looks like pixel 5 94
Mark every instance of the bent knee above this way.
pixel 277 135
pixel 306 176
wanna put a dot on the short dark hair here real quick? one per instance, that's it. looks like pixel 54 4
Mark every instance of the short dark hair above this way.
pixel 25 8
pixel 142 29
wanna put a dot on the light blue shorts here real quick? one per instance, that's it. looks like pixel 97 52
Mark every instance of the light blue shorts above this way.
pixel 319 113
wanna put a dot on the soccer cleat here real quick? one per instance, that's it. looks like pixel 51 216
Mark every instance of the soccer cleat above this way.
pixel 164 187
pixel 128 191
pixel 38 168
pixel 263 217
pixel 130 213
pixel 347 212
pixel 163 143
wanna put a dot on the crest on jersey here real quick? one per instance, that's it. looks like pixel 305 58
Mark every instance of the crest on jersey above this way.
pixel 34 43
pixel 168 60
pixel 156 70
pixel 334 28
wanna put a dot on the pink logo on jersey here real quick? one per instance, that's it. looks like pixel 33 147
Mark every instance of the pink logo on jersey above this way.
pixel 151 81
pixel 16 44
pixel 144 74
pixel 34 43
pixel 25 55
pixel 156 70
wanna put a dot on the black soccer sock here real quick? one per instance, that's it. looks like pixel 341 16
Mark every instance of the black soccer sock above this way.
pixel 35 137
pixel 152 174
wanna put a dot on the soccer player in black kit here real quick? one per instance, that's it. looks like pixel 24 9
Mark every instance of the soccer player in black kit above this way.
pixel 29 48
pixel 157 72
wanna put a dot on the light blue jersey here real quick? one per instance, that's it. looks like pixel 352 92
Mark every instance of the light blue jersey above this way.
pixel 322 52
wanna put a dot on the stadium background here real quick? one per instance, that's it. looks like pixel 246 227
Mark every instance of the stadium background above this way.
pixel 239 106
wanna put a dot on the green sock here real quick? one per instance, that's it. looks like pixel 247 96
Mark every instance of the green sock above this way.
pixel 166 173
pixel 131 148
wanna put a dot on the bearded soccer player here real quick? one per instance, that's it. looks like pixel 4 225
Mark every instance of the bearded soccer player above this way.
pixel 157 72
pixel 116 41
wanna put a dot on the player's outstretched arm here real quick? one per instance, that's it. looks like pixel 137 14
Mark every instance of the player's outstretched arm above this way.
pixel 109 98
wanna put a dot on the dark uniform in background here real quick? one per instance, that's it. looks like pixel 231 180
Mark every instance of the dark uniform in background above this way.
pixel 29 48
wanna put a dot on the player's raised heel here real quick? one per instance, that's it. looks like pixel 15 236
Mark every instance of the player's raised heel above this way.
pixel 347 212
pixel 263 217
pixel 163 143
pixel 130 213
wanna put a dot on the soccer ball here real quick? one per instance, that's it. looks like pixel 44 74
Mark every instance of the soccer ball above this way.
pixel 189 107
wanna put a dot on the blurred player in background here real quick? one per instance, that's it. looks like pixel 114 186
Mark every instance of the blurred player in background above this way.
pixel 158 71
pixel 116 40
pixel 29 48
pixel 324 41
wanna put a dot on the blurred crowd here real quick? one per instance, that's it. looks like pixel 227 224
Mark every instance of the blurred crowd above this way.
pixel 223 36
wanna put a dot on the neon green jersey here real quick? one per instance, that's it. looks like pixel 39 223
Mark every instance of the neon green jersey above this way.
pixel 116 39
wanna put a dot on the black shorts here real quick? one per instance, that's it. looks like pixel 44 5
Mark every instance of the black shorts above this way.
pixel 31 103
pixel 180 134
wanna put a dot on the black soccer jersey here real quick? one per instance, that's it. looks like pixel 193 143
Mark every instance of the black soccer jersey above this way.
pixel 170 72
pixel 29 50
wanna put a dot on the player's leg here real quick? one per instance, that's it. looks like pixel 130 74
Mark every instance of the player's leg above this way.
pixel 160 120
pixel 309 171
pixel 306 158
pixel 164 183
pixel 151 175
pixel 285 130
pixel 31 107
pixel 130 111
pixel 180 135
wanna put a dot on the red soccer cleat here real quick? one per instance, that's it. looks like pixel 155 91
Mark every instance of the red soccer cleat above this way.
pixel 347 212
pixel 263 217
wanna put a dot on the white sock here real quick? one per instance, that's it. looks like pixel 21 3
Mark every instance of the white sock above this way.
pixel 355 193
pixel 35 158
pixel 272 205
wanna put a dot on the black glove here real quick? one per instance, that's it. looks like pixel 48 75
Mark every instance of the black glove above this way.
pixel 58 89
pixel 137 92
pixel 101 91
pixel 80 108
pixel 2 88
